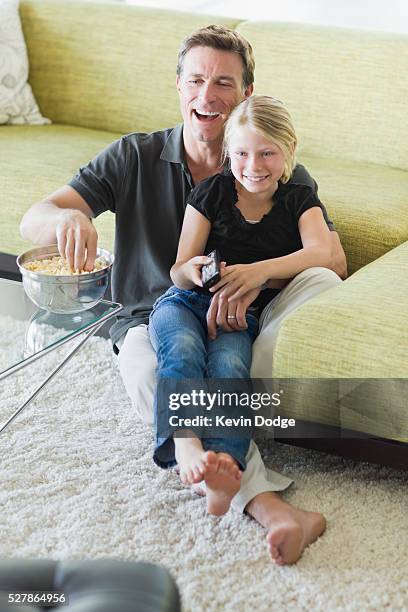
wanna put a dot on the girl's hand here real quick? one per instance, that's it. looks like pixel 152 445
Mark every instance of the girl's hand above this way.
pixel 191 269
pixel 237 280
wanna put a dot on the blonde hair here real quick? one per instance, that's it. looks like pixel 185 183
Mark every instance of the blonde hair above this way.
pixel 223 39
pixel 269 117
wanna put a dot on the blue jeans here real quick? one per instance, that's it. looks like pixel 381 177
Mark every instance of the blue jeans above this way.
pixel 178 332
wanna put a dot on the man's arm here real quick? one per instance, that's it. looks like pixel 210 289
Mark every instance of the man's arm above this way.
pixel 217 313
pixel 339 264
pixel 63 217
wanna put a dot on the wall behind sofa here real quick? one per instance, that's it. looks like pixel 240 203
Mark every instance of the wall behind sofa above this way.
pixel 390 16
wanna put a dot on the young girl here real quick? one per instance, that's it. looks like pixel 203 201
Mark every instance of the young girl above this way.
pixel 268 227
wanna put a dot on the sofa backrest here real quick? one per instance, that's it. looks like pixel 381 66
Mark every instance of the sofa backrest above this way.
pixel 107 66
pixel 346 89
pixel 111 66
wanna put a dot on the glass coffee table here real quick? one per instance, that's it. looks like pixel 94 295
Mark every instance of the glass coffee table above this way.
pixel 27 333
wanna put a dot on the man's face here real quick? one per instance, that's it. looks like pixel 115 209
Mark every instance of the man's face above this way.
pixel 209 87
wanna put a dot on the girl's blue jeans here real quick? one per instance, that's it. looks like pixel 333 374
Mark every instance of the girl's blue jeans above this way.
pixel 178 332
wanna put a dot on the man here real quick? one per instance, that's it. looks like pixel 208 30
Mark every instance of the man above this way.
pixel 145 180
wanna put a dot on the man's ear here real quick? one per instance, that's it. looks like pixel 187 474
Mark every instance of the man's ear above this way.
pixel 249 90
pixel 177 82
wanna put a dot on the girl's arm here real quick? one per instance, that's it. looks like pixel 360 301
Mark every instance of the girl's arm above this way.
pixel 316 251
pixel 185 273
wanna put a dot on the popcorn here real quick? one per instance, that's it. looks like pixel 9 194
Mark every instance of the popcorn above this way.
pixel 58 266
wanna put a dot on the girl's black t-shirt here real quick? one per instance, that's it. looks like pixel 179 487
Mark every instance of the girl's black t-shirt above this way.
pixel 239 241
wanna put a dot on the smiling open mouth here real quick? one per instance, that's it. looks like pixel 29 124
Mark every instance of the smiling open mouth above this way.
pixel 256 179
pixel 206 116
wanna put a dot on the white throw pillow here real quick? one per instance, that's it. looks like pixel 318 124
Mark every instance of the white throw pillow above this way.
pixel 17 103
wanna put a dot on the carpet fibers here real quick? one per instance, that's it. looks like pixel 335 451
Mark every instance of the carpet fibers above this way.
pixel 78 481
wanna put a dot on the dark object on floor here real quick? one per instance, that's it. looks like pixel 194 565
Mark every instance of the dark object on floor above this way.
pixel 86 586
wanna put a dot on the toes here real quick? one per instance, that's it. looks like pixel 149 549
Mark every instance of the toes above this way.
pixel 221 464
pixel 288 541
pixel 183 477
pixel 211 459
pixel 273 550
pixel 227 464
pixel 199 489
pixel 275 554
pixel 190 476
pixel 236 472
pixel 197 475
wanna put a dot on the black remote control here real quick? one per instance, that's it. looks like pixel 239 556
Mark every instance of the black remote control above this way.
pixel 210 273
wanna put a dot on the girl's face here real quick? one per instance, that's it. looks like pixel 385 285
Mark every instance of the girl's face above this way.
pixel 256 162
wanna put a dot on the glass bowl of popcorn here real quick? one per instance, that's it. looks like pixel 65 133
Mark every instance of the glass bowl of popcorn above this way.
pixel 51 285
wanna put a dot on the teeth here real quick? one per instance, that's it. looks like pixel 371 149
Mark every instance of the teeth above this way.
pixel 207 113
pixel 255 178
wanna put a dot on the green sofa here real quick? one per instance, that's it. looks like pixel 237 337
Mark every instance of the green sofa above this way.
pixel 99 70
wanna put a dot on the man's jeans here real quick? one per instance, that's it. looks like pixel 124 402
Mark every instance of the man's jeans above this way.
pixel 178 332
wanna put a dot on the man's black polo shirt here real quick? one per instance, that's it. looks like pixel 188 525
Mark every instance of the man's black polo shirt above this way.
pixel 145 181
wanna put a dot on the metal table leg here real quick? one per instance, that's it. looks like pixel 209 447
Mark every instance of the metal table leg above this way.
pixel 87 335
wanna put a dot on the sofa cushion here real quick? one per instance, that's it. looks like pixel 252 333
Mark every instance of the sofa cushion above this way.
pixel 36 161
pixel 113 65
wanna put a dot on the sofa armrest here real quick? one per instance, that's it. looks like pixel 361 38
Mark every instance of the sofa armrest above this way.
pixel 355 334
pixel 355 330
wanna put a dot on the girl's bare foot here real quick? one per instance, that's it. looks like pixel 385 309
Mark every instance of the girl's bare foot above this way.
pixel 191 459
pixel 220 472
pixel 223 481
pixel 199 489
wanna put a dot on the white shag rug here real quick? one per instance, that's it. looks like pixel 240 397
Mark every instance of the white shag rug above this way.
pixel 78 482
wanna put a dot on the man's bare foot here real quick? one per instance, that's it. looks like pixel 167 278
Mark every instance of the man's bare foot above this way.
pixel 223 481
pixel 288 539
pixel 290 529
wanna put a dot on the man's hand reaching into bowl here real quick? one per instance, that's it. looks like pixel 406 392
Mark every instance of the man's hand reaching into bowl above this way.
pixel 77 240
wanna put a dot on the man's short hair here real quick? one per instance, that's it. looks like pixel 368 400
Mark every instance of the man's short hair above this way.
pixel 223 39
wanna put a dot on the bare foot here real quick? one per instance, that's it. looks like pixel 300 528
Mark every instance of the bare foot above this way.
pixel 288 538
pixel 223 480
pixel 191 459
pixel 219 470
pixel 290 529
